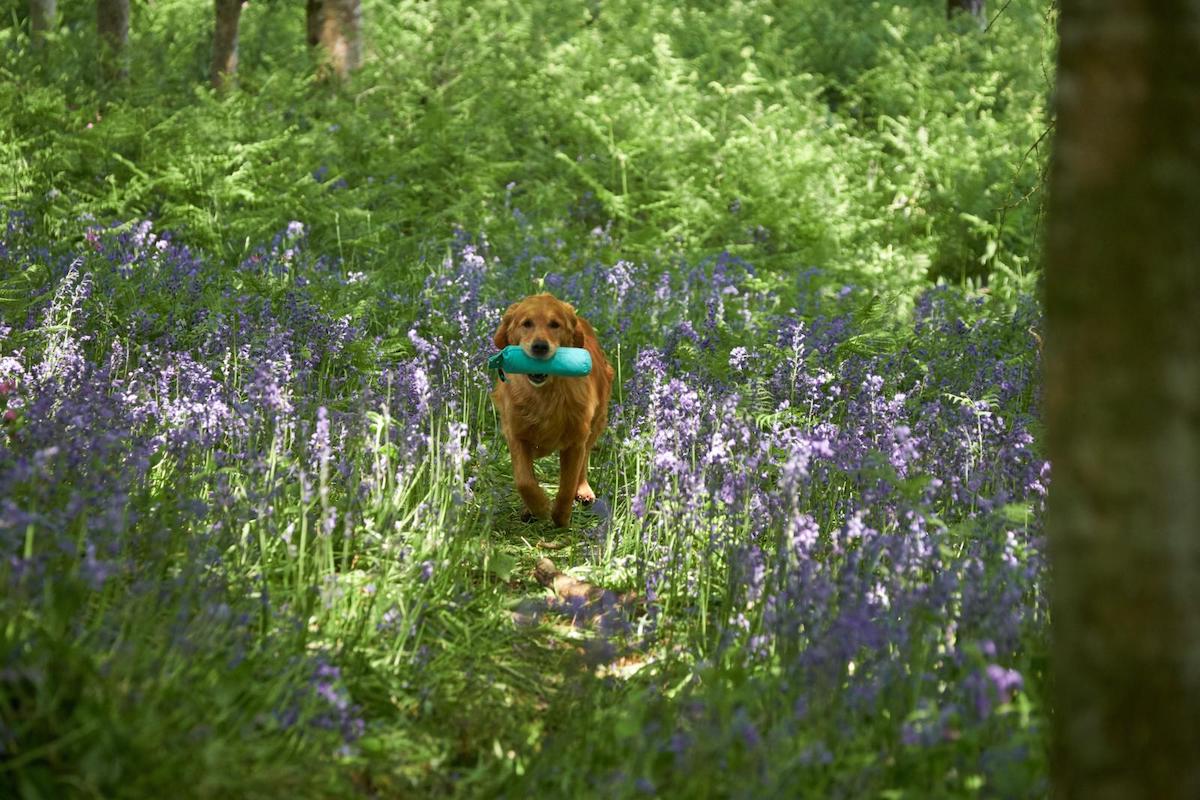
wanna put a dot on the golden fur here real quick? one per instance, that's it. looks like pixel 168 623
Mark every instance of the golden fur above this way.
pixel 563 415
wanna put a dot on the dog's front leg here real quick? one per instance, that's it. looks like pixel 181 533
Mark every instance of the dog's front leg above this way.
pixel 569 462
pixel 527 485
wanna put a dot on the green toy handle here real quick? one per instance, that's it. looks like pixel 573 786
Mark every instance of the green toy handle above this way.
pixel 569 362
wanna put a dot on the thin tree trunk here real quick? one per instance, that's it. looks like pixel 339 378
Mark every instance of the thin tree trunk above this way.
pixel 336 26
pixel 972 7
pixel 225 42
pixel 312 19
pixel 43 18
pixel 1123 400
pixel 112 23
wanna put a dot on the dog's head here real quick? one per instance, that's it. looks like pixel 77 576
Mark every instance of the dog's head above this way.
pixel 539 324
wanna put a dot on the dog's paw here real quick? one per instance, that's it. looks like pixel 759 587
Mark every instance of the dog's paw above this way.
pixel 584 494
pixel 534 498
pixel 562 517
pixel 535 514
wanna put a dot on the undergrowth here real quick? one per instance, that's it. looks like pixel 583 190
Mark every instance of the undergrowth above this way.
pixel 258 523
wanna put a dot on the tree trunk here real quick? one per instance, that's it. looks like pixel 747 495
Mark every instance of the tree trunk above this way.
pixel 1123 400
pixel 972 7
pixel 336 25
pixel 112 23
pixel 225 42
pixel 43 18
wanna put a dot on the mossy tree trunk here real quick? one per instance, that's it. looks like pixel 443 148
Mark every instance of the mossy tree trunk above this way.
pixel 336 27
pixel 43 18
pixel 112 23
pixel 225 42
pixel 1123 400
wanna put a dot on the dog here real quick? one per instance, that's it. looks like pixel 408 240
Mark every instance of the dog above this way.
pixel 543 414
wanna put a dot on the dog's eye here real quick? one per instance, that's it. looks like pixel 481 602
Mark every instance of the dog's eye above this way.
pixel 554 323
pixel 527 323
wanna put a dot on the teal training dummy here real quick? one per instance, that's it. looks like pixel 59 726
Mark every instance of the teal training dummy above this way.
pixel 569 362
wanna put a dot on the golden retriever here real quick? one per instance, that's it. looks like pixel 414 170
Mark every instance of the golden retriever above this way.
pixel 544 414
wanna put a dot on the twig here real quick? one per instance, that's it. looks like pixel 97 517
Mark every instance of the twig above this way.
pixel 998 13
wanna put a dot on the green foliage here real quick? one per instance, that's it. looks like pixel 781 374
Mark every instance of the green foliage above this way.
pixel 874 140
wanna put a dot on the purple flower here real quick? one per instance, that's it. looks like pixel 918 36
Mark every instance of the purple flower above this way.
pixel 1006 681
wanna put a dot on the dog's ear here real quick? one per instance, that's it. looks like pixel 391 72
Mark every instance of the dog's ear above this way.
pixel 501 337
pixel 576 327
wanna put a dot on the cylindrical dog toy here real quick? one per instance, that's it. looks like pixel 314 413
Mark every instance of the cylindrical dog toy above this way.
pixel 568 362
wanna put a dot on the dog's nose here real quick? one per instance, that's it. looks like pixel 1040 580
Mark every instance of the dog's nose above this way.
pixel 540 348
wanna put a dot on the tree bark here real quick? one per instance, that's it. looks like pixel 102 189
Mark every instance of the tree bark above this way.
pixel 43 18
pixel 225 42
pixel 112 23
pixel 336 26
pixel 1123 400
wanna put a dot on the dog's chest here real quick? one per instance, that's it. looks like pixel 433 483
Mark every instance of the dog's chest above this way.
pixel 553 426
pixel 547 434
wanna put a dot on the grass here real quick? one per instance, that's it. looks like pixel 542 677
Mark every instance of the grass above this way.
pixel 259 527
